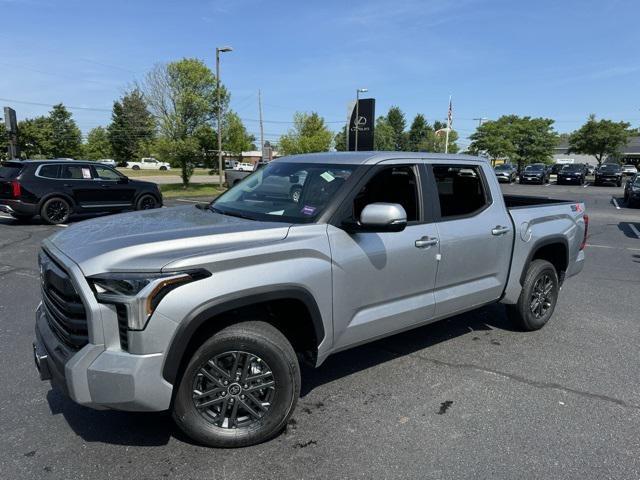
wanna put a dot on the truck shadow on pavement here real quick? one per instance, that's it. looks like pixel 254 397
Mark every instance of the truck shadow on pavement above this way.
pixel 156 429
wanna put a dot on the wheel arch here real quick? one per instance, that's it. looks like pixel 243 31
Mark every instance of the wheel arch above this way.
pixel 555 250
pixel 51 195
pixel 212 317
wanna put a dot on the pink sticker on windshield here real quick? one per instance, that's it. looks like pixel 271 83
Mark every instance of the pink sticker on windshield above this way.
pixel 307 210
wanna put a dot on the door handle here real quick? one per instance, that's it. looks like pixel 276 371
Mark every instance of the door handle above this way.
pixel 426 242
pixel 500 230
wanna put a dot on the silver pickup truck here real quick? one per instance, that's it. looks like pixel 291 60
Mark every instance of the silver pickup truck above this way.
pixel 208 310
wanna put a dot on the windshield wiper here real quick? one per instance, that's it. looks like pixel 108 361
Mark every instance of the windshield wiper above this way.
pixel 230 214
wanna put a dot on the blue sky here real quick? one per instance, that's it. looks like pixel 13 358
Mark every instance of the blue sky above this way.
pixel 558 59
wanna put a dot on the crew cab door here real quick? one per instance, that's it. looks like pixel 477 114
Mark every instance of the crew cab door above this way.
pixel 476 237
pixel 383 282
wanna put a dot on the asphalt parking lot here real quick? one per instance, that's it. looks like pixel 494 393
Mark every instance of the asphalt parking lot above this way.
pixel 468 397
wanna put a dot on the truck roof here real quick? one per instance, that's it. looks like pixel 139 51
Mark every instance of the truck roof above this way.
pixel 370 158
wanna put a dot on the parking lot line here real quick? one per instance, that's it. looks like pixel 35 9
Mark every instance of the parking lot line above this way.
pixel 615 202
pixel 186 200
pixel 634 230
pixel 586 185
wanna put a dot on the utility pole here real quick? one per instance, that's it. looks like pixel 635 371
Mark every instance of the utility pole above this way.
pixel 220 169
pixel 480 120
pixel 261 127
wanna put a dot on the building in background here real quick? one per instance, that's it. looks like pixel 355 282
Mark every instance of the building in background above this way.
pixel 630 154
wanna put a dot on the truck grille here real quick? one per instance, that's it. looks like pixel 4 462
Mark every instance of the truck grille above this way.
pixel 63 306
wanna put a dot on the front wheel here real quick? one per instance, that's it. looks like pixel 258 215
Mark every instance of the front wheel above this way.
pixel 239 388
pixel 147 202
pixel 135 167
pixel 163 168
pixel 538 297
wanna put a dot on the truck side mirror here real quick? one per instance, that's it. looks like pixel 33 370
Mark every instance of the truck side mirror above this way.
pixel 383 217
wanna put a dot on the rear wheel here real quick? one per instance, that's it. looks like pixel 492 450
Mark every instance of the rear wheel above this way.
pixel 163 168
pixel 55 211
pixel 135 167
pixel 239 388
pixel 538 297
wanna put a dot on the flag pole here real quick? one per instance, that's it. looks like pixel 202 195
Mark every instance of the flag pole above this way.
pixel 446 141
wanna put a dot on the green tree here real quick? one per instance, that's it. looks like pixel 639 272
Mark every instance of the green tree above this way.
pixel 97 145
pixel 419 132
pixel 4 143
pixel 395 118
pixel 66 138
pixel 437 138
pixel 185 152
pixel 131 126
pixel 384 135
pixel 521 139
pixel 340 140
pixel 34 137
pixel 235 138
pixel 183 97
pixel 600 138
pixel 309 134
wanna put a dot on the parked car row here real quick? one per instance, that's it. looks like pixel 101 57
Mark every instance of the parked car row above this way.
pixel 607 173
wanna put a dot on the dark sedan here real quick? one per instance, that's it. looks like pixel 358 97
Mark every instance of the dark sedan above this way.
pixel 632 191
pixel 56 189
pixel 572 173
pixel 609 173
pixel 535 173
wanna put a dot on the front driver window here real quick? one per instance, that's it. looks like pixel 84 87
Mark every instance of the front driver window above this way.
pixel 391 185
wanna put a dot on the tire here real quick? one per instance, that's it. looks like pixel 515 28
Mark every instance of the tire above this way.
pixel 267 349
pixel 135 167
pixel 619 184
pixel 163 168
pixel 55 211
pixel 526 314
pixel 147 202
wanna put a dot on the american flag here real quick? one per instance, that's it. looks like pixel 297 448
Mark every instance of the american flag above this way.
pixel 450 113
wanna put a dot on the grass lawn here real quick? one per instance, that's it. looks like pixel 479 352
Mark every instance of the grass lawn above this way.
pixel 176 190
pixel 159 173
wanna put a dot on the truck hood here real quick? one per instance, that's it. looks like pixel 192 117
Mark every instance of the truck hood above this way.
pixel 150 239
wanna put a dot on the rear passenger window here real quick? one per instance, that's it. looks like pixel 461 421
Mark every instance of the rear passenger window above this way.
pixel 460 190
pixel 75 172
pixel 49 171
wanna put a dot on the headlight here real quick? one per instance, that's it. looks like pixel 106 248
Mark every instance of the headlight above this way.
pixel 140 293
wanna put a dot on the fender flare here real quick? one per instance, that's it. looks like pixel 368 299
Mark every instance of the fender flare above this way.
pixel 187 328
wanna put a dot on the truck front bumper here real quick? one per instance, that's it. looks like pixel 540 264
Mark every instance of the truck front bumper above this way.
pixel 100 378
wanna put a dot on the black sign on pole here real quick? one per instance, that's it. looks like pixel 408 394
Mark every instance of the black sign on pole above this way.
pixel 11 127
pixel 364 123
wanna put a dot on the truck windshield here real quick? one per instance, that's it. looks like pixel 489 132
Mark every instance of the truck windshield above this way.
pixel 284 192
pixel 534 168
pixel 503 167
pixel 610 167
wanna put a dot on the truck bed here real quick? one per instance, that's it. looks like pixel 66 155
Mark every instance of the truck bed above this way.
pixel 525 201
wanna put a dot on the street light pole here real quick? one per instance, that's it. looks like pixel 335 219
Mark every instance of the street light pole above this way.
pixel 357 123
pixel 218 50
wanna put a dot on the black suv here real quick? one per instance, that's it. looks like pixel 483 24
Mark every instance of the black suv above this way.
pixel 54 189
pixel 609 173
pixel 572 173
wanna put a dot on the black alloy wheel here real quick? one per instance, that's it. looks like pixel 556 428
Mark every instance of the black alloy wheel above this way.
pixel 147 202
pixel 233 390
pixel 55 211
pixel 541 296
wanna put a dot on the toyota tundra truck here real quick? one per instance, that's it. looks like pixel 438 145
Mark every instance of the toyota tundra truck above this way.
pixel 208 310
